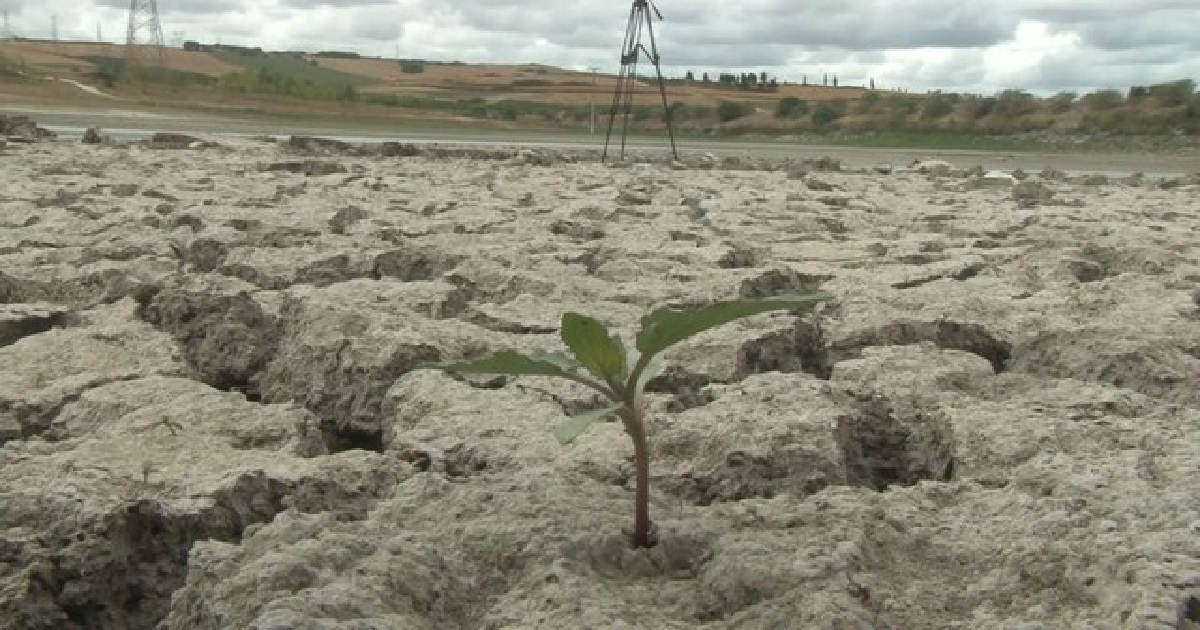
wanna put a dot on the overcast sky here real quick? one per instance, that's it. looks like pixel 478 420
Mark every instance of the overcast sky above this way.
pixel 964 45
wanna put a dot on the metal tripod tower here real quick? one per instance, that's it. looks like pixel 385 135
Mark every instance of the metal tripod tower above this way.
pixel 631 52
pixel 144 37
pixel 7 33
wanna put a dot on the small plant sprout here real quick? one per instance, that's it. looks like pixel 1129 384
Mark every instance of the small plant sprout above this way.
pixel 601 362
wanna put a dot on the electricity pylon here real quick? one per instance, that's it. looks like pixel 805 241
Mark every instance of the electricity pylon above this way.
pixel 144 37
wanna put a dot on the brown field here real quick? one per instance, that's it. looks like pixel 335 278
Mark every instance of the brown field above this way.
pixel 49 92
pixel 72 53
pixel 37 57
pixel 491 82
pixel 546 84
pixel 446 75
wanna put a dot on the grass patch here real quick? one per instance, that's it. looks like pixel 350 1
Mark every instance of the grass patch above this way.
pixel 929 140
pixel 508 110
pixel 13 68
pixel 108 71
pixel 981 142
pixel 294 67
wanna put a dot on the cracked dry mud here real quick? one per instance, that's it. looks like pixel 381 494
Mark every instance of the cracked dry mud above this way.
pixel 210 417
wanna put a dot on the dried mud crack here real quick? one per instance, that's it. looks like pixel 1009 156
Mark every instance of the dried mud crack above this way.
pixel 211 416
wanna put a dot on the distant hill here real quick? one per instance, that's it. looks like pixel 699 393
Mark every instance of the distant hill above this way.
pixel 560 97
pixel 532 82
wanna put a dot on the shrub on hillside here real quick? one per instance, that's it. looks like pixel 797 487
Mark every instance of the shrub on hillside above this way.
pixel 1103 100
pixel 338 54
pixel 936 107
pixel 791 107
pixel 1062 102
pixel 825 114
pixel 1174 94
pixel 412 66
pixel 729 111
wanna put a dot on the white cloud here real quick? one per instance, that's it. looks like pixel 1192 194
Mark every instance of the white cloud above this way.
pixel 982 46
pixel 1012 63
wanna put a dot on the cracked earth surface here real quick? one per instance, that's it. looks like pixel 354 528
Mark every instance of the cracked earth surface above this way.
pixel 210 414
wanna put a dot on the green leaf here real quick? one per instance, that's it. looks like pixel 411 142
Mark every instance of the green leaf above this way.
pixel 664 328
pixel 561 359
pixel 511 363
pixel 593 347
pixel 576 426
pixel 652 369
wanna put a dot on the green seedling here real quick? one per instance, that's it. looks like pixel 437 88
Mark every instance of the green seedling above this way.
pixel 601 362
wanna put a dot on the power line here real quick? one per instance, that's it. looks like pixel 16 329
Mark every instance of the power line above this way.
pixel 144 36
